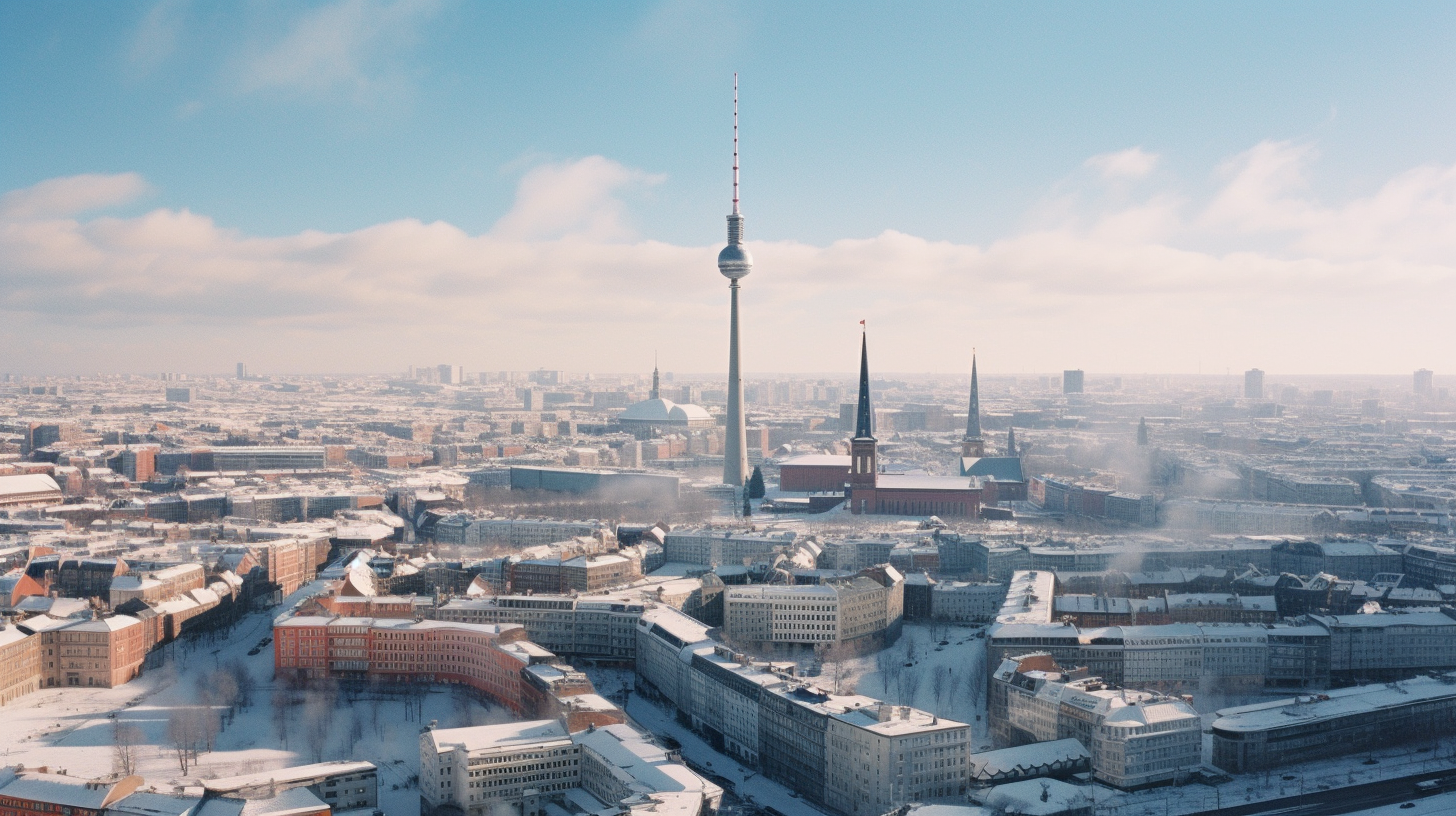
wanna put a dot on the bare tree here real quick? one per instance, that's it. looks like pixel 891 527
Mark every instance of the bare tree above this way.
pixel 318 710
pixel 245 682
pixel 283 701
pixel 909 687
pixel 939 686
pixel 224 693
pixel 126 740
pixel 187 733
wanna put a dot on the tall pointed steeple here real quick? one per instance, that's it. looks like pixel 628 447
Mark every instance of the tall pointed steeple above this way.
pixel 864 417
pixel 974 444
pixel 864 457
pixel 656 387
pixel 1142 432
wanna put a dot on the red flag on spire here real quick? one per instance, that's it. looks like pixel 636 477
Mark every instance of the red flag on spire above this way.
pixel 861 322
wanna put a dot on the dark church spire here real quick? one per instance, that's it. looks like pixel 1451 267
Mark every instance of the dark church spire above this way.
pixel 973 417
pixel 656 389
pixel 863 417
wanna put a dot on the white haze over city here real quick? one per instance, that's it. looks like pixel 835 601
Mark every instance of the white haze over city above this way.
pixel 1120 269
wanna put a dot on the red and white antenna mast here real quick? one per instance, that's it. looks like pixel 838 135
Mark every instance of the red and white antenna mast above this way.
pixel 735 142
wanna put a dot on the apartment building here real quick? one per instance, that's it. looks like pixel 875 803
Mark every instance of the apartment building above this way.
pixel 1136 738
pixel 859 611
pixel 153 586
pixel 46 794
pixel 1389 645
pixel 476 770
pixel 1334 723
pixel 104 652
pixel 965 602
pixel 882 756
pixel 621 766
pixel 722 548
pixel 831 749
pixel 1358 560
pixel 535 768
pixel 342 785
pixel 1217 607
pixel 485 657
pixel 20 663
pixel 599 628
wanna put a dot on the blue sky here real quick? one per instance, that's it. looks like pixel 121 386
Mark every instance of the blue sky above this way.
pixel 899 159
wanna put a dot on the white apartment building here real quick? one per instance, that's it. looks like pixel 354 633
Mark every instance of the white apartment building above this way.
pixel 622 766
pixel 833 613
pixel 966 602
pixel 665 641
pixel 1162 656
pixel 479 769
pixel 725 692
pixel 1136 738
pixel 723 548
pixel 1383 645
pixel 881 756
pixel 781 614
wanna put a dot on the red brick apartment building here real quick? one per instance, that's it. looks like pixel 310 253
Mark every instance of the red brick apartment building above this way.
pixel 485 657
pixel 48 794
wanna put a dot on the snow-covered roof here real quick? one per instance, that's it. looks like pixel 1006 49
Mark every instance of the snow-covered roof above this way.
pixel 1334 704
pixel 817 460
pixel 26 483
pixel 507 736
pixel 286 776
pixel 1026 758
pixel 1025 797
pixel 1221 599
pixel 68 791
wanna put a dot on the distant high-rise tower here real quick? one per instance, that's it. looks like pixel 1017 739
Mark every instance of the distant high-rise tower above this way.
pixel 1423 382
pixel 656 385
pixel 974 444
pixel 242 371
pixel 735 263
pixel 1142 431
pixel 1072 381
pixel 1253 384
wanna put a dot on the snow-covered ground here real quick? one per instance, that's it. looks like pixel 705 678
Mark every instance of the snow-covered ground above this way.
pixel 72 728
pixel 949 681
pixel 747 784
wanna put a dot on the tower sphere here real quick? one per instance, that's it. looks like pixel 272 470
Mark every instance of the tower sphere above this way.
pixel 735 262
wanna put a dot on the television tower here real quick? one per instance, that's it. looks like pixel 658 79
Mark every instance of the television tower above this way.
pixel 735 263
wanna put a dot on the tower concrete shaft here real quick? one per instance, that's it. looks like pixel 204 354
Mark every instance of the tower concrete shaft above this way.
pixel 735 443
pixel 734 263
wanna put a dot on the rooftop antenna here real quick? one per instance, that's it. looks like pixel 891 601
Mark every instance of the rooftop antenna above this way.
pixel 735 142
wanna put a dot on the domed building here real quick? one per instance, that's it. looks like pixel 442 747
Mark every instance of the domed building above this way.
pixel 657 415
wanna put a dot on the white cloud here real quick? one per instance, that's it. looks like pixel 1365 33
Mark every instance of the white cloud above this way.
pixel 1133 163
pixel 348 44
pixel 72 195
pixel 1261 191
pixel 156 36
pixel 580 198
pixel 561 281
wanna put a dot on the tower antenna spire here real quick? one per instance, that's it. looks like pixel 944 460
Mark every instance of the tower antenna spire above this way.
pixel 735 142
